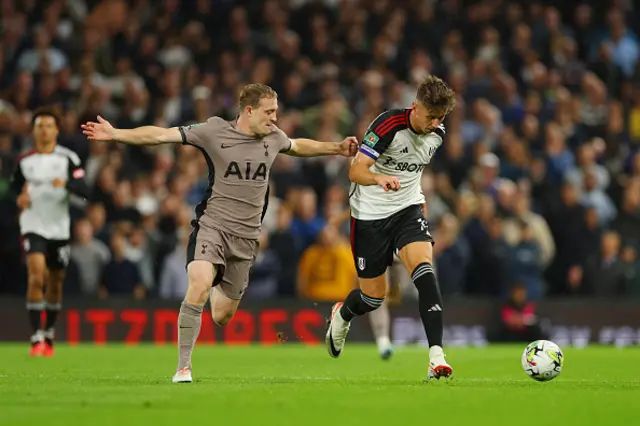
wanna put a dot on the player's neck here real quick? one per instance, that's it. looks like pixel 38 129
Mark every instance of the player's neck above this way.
pixel 242 124
pixel 411 123
pixel 45 148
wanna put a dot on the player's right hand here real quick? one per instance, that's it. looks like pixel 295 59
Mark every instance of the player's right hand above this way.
pixel 24 201
pixel 100 131
pixel 388 183
pixel 58 183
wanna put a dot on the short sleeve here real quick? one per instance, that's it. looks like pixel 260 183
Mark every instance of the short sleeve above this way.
pixel 382 131
pixel 198 133
pixel 284 142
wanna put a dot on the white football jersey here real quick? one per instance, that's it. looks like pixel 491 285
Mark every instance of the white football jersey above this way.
pixel 401 152
pixel 48 214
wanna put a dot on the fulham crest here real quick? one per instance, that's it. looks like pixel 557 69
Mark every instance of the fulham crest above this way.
pixel 361 263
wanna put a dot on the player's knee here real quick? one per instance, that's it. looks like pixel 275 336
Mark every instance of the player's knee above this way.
pixel 197 292
pixel 200 281
pixel 36 279
pixel 377 292
pixel 53 294
pixel 222 318
pixel 418 262
pixel 374 287
pixel 371 302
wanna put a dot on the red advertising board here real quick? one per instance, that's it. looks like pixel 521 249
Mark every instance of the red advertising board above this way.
pixel 468 322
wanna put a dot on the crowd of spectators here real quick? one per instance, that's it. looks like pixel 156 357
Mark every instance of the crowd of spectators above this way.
pixel 537 183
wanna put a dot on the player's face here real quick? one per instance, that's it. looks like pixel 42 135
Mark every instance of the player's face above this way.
pixel 426 120
pixel 45 130
pixel 263 118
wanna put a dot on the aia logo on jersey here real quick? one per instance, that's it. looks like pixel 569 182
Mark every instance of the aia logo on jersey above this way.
pixel 249 173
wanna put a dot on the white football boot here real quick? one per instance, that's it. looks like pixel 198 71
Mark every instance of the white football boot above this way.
pixel 385 349
pixel 438 367
pixel 183 375
pixel 337 331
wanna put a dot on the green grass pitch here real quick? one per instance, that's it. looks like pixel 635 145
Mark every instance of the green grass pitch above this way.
pixel 289 384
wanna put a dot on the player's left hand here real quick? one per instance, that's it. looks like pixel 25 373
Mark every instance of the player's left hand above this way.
pixel 100 131
pixel 349 146
pixel 58 183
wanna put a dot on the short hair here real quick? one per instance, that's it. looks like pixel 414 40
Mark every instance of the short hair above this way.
pixel 45 112
pixel 251 94
pixel 435 94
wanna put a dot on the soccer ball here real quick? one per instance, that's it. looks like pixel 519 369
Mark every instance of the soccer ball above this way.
pixel 542 360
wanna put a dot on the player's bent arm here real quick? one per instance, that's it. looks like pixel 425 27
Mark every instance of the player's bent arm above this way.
pixel 359 171
pixel 148 135
pixel 17 182
pixel 313 148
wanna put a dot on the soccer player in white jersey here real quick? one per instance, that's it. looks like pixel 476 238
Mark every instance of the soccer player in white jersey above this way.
pixel 42 181
pixel 386 216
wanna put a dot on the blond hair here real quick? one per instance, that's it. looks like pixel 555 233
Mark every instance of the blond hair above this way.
pixel 251 94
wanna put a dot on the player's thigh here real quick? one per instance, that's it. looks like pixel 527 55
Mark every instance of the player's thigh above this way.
pixel 201 275
pixel 36 249
pixel 241 254
pixel 371 244
pixel 413 240
pixel 205 260
pixel 414 254
pixel 58 255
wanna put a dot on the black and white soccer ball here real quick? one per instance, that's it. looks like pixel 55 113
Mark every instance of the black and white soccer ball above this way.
pixel 542 360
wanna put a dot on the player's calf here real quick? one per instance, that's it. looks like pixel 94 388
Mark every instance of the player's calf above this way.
pixel 367 298
pixel 358 303
pixel 201 275
pixel 53 305
pixel 36 269
pixel 429 302
pixel 417 257
pixel 431 314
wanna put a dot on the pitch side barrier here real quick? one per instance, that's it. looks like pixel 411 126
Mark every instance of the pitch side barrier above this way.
pixel 469 322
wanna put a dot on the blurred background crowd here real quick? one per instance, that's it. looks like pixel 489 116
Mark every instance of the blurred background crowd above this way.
pixel 537 184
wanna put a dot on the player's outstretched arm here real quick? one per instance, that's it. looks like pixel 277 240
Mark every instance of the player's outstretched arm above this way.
pixel 145 135
pixel 311 148
pixel 360 173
